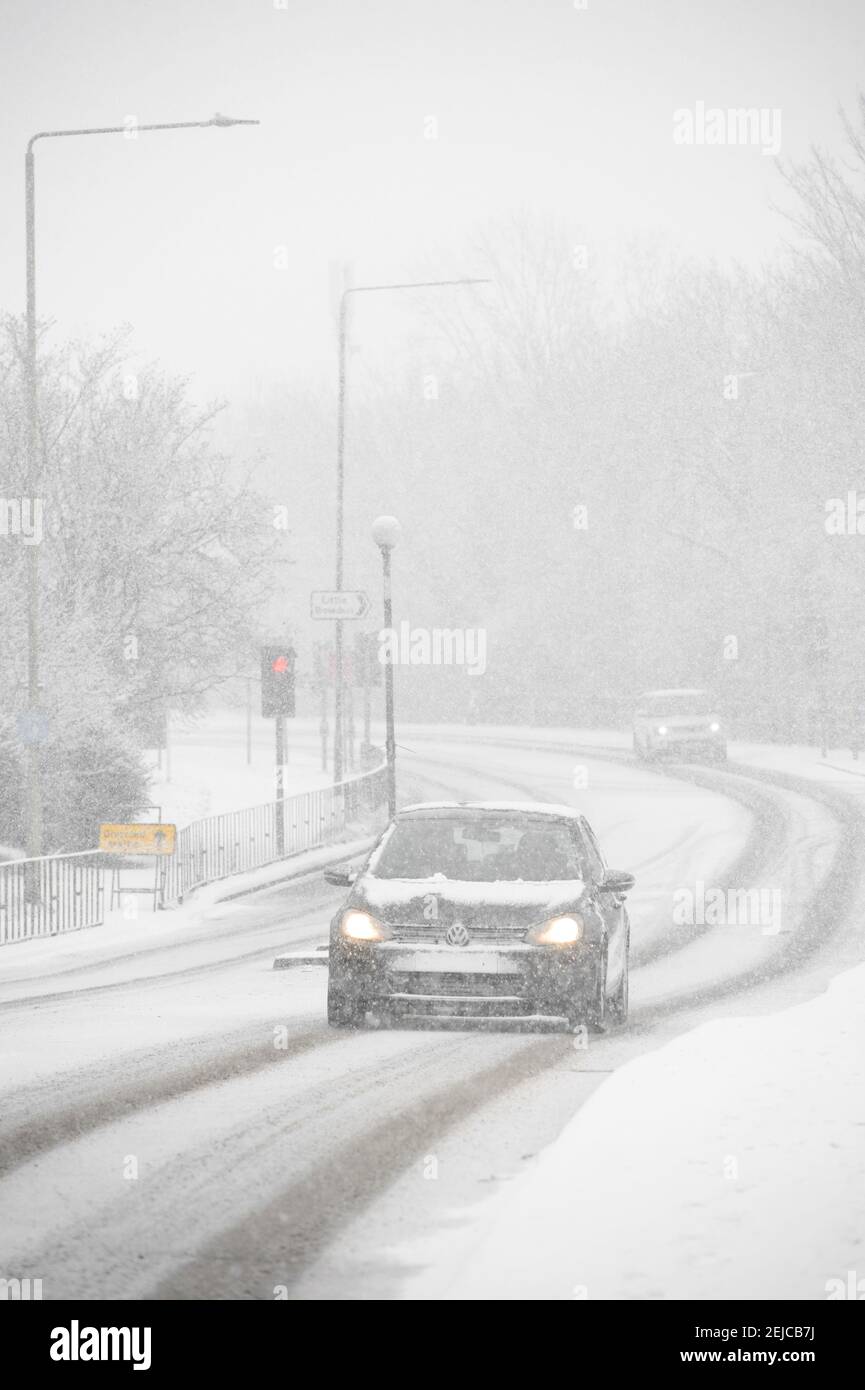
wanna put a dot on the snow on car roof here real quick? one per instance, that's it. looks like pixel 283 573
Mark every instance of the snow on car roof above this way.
pixel 535 808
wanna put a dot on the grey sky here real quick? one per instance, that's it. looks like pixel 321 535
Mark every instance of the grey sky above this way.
pixel 538 104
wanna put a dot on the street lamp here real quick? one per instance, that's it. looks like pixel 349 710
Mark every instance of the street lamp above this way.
pixel 386 532
pixel 340 477
pixel 34 770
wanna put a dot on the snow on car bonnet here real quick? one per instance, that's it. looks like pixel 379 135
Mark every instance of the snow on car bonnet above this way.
pixel 383 892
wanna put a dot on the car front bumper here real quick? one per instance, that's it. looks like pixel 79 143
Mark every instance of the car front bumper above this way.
pixel 687 742
pixel 487 980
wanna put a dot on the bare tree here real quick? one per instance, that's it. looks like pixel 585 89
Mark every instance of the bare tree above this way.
pixel 155 558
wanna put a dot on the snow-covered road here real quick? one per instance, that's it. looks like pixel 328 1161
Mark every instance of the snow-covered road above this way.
pixel 180 1122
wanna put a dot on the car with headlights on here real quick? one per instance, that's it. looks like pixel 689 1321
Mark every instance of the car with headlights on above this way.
pixel 482 910
pixel 679 722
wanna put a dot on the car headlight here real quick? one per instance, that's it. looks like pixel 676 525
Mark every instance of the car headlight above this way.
pixel 359 926
pixel 662 728
pixel 714 727
pixel 560 931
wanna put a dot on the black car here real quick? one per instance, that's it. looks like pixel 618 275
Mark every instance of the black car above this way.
pixel 482 910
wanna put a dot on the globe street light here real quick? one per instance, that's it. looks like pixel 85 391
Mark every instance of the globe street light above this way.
pixel 386 532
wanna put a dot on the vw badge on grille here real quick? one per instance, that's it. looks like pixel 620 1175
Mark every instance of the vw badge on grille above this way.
pixel 457 935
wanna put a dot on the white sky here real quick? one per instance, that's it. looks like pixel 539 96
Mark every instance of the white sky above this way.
pixel 538 105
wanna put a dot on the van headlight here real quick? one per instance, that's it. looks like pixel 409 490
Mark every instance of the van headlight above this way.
pixel 359 926
pixel 714 727
pixel 559 931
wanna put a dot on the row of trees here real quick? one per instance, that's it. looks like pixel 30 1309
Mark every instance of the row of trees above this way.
pixel 154 557
pixel 627 475
pixel 622 477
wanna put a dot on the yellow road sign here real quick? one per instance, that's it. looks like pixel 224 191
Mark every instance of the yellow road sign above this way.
pixel 137 839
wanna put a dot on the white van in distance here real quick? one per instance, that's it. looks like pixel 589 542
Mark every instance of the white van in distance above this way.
pixel 679 722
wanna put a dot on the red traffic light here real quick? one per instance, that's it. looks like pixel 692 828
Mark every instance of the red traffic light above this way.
pixel 277 681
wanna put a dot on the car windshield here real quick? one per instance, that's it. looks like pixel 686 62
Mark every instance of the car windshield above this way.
pixel 480 850
pixel 667 705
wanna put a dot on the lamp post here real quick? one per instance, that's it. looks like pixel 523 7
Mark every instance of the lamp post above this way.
pixel 386 532
pixel 34 764
pixel 340 478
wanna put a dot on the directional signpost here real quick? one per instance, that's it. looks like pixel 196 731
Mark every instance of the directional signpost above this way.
pixel 147 837
pixel 137 839
pixel 340 605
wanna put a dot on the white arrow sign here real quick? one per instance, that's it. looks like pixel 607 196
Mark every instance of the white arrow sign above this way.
pixel 336 603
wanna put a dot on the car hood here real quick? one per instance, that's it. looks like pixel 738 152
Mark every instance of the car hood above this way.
pixel 516 904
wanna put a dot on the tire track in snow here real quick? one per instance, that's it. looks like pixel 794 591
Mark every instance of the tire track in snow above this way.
pixel 95 1099
pixel 284 1238
pixel 390 1144
pixel 277 1243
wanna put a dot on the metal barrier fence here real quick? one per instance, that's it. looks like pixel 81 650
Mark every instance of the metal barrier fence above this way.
pixel 43 897
pixel 219 846
pixel 64 892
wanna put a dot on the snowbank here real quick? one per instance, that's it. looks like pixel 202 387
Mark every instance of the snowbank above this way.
pixel 728 1164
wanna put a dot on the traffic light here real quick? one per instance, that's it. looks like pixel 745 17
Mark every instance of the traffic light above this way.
pixel 277 682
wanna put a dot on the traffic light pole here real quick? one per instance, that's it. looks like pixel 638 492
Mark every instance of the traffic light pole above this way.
pixel 280 784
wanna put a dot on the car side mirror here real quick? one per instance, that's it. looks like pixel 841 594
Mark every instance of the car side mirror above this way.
pixel 340 878
pixel 617 881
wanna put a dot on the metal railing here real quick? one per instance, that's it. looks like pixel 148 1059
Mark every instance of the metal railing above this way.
pixel 57 893
pixel 65 892
pixel 219 846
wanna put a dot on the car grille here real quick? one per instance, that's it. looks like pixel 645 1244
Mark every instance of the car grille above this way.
pixel 431 994
pixel 430 982
pixel 433 933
